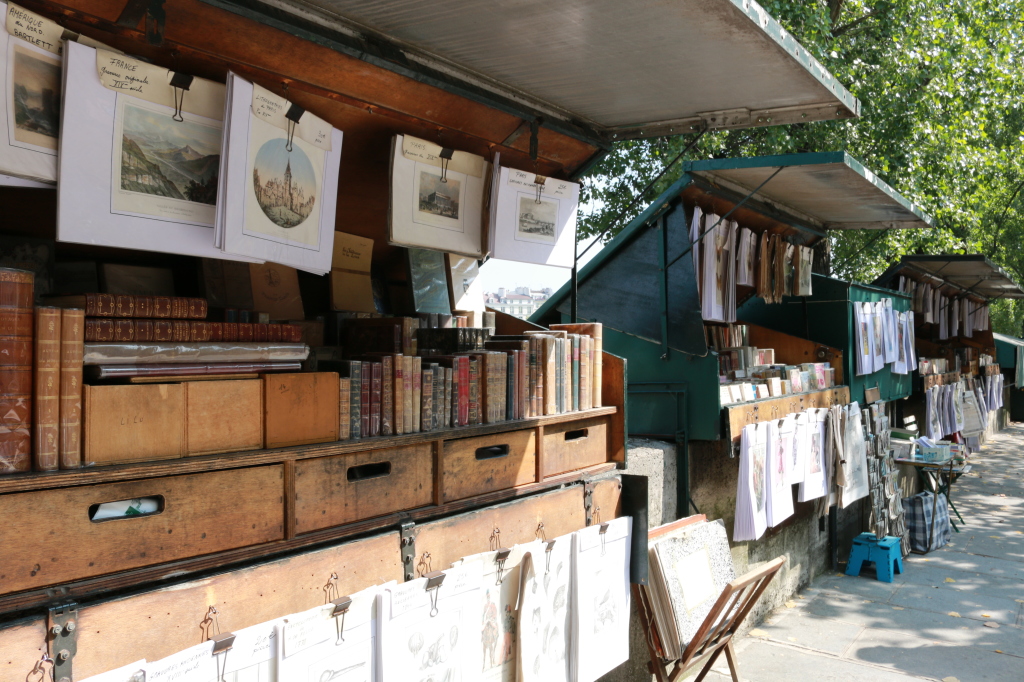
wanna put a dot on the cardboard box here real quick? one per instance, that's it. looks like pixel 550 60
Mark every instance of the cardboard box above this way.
pixel 133 423
pixel 223 416
pixel 300 408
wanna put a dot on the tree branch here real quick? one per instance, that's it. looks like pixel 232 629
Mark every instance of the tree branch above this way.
pixel 835 8
pixel 840 30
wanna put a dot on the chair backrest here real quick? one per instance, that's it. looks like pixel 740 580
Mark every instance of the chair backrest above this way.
pixel 731 609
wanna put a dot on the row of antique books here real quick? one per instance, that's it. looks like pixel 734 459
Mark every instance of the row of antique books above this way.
pixel 464 377
pixel 100 330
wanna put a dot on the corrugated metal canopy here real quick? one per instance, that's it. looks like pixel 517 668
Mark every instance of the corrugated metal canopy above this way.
pixel 828 190
pixel 623 68
pixel 972 274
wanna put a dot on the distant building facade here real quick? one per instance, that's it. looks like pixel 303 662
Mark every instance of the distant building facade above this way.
pixel 520 302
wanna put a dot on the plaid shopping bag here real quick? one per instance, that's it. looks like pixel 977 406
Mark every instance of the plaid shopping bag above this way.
pixel 918 514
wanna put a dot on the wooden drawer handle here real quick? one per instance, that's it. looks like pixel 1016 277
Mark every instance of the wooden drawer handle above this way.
pixel 578 434
pixel 126 509
pixel 493 451
pixel 366 471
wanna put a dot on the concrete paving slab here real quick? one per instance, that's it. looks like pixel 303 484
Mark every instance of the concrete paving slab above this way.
pixel 872 588
pixel 914 655
pixel 763 661
pixel 796 627
pixel 942 599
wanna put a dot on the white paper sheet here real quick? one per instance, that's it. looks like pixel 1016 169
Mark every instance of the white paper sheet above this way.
pixel 751 515
pixel 431 635
pixel 544 611
pixel 133 672
pixel 498 611
pixel 601 598
pixel 531 226
pixel 85 213
pixel 317 647
pixel 779 505
pixel 794 454
pixel 856 465
pixel 195 664
pixel 811 435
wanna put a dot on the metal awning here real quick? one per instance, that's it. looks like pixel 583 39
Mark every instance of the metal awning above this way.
pixel 971 274
pixel 827 190
pixel 618 68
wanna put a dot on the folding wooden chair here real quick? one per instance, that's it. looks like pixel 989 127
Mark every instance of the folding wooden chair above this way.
pixel 716 632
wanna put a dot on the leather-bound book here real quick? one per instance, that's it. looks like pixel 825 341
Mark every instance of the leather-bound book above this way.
pixel 199 332
pixel 260 332
pixel 162 307
pixel 245 332
pixel 216 331
pixel 417 393
pixel 376 395
pixel 408 394
pixel 124 331
pixel 274 332
pixel 143 306
pixel 365 391
pixel 16 329
pixel 198 308
pixel 163 330
pixel 426 399
pixel 230 331
pixel 46 386
pixel 351 370
pixel 386 387
pixel 181 331
pixel 100 330
pixel 344 409
pixel 143 331
pixel 72 342
pixel 124 306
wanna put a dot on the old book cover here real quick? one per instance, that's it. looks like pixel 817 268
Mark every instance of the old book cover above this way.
pixel 523 371
pixel 143 331
pixel 533 372
pixel 438 407
pixel 584 372
pixel 246 332
pixel 464 389
pixel 451 401
pixel 510 385
pixel 300 408
pixel 351 286
pixel 352 370
pixel 475 415
pixel 143 306
pixel 72 342
pixel 426 399
pixel 344 409
pixel 417 393
pixel 46 398
pixel 548 372
pixel 230 331
pixel 595 331
pixel 17 322
pixel 124 331
pixel 100 330
pixel 163 307
pixel 365 398
pixel 387 406
pixel 275 290
pixel 575 390
pixel 407 394
pixel 163 330
pixel 181 331
pixel 567 374
pixel 376 396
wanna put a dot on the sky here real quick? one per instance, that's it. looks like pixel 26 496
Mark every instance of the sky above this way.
pixel 510 274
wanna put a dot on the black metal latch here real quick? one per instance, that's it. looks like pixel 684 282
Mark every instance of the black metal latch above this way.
pixel 62 639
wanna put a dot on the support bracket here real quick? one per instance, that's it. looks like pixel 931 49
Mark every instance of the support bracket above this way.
pixel 407 532
pixel 62 639
pixel 588 501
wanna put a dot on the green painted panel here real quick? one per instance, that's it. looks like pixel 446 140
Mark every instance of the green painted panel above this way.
pixel 827 317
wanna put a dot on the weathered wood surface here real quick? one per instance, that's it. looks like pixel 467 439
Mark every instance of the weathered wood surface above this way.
pixel 469 468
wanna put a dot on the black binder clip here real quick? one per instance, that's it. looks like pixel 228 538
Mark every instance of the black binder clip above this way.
pixel 293 115
pixel 180 82
pixel 499 562
pixel 539 181
pixel 341 607
pixel 433 586
pixel 604 538
pixel 547 556
pixel 446 158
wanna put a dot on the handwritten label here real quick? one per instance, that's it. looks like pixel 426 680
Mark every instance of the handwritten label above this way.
pixel 271 108
pixel 559 189
pixel 195 664
pixel 34 29
pixel 136 78
pixel 305 630
pixel 352 253
pixel 415 149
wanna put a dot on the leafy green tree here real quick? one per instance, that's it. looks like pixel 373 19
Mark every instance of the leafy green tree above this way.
pixel 942 93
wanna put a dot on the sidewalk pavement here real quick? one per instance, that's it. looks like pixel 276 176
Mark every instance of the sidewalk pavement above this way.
pixel 955 614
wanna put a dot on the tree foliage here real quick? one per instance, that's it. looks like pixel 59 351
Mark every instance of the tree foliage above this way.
pixel 941 86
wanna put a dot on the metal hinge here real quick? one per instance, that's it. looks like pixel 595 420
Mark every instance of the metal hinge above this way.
pixel 588 501
pixel 407 531
pixel 62 639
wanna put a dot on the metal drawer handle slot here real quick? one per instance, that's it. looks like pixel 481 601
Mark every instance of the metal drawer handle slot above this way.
pixel 126 509
pixel 367 471
pixel 493 452
pixel 578 434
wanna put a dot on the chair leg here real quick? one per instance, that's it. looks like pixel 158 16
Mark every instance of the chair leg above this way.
pixel 734 668
pixel 707 666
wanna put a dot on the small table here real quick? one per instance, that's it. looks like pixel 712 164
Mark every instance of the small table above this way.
pixel 940 468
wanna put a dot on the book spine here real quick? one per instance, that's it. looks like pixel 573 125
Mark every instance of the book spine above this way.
pixel 143 306
pixel 463 391
pixel 124 331
pixel 407 394
pixel 438 406
pixel 17 322
pixel 510 386
pixel 273 331
pixel 492 404
pixel 46 445
pixel 550 376
pixel 531 406
pixel 143 331
pixel 474 391
pixel 376 396
pixel 536 392
pixel 387 396
pixel 124 305
pixel 453 396
pixel 260 332
pixel 567 375
pixel 72 347
pixel 584 372
pixel 365 397
pixel 426 398
pixel 245 332
pixel 597 363
pixel 502 384
pixel 344 409
pixel 355 399
pixel 162 307
pixel 399 394
pixel 230 331
pixel 417 393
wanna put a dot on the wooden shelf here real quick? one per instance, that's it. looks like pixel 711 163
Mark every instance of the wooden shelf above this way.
pixel 171 467
pixel 735 417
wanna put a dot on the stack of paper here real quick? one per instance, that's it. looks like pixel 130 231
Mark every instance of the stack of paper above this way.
pixel 751 515
pixel 718 271
pixel 279 184
pixel 600 614
pixel 689 568
pixel 855 461
pixel 544 623
pixel 810 437
pixel 779 506
pixel 533 218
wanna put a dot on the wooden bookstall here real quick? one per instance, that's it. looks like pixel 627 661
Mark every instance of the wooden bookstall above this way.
pixel 259 532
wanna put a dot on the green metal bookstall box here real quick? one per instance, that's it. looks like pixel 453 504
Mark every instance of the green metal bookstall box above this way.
pixel 642 285
pixel 1010 356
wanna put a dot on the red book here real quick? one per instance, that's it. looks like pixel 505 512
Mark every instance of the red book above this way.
pixel 143 331
pixel 124 305
pixel 182 332
pixel 273 332
pixel 124 331
pixel 245 332
pixel 143 306
pixel 162 307
pixel 230 331
pixel 376 397
pixel 216 331
pixel 260 332
pixel 163 330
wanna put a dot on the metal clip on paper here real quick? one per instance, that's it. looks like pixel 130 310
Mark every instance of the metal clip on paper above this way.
pixel 547 556
pixel 433 586
pixel 499 561
pixel 180 82
pixel 539 181
pixel 341 607
pixel 293 115
pixel 604 538
pixel 222 643
pixel 446 158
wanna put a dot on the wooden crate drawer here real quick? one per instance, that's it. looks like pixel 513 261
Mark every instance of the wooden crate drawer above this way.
pixel 574 445
pixel 330 491
pixel 133 423
pixel 48 538
pixel 474 466
pixel 223 416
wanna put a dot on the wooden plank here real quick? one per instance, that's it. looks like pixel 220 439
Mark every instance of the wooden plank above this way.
pixel 439 543
pixel 613 394
pixel 21 648
pixel 473 466
pixel 186 379
pixel 541 455
pixel 792 350
pixel 95 587
pixel 48 537
pixel 289 499
pixel 93 475
pixel 575 445
pixel 510 324
pixel 607 499
pixel 331 491
pixel 438 446
pixel 223 416
pixel 159 623
pixel 738 416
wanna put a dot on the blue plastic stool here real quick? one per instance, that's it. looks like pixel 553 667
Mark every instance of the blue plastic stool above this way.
pixel 885 554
